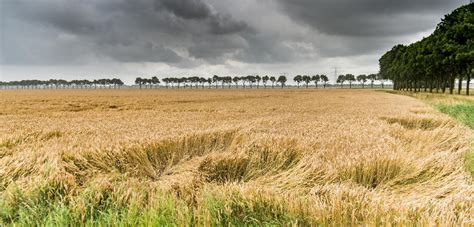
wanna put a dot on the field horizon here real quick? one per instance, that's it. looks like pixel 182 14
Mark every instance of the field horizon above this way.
pixel 230 157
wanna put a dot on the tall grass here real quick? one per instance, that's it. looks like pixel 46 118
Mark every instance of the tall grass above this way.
pixel 463 112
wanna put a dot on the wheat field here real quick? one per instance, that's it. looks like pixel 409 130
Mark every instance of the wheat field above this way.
pixel 230 157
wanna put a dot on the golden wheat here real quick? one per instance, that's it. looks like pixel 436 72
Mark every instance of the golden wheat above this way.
pixel 301 156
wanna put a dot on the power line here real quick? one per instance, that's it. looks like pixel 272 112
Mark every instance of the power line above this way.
pixel 335 74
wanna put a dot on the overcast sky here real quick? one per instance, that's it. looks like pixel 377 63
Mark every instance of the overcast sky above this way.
pixel 76 39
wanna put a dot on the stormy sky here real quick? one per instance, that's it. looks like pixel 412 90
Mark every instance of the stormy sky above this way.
pixel 75 39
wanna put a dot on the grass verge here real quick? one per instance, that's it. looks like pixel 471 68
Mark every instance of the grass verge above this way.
pixel 470 162
pixel 463 112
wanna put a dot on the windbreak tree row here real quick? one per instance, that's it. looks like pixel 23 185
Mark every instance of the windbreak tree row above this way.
pixel 60 84
pixel 362 79
pixel 437 61
pixel 219 81
pixel 308 79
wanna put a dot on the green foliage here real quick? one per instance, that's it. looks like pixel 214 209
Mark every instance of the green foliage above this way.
pixel 464 112
pixel 437 60
pixel 470 162
pixel 20 209
pixel 236 210
pixel 282 80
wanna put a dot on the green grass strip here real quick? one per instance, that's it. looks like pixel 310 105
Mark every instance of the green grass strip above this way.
pixel 463 112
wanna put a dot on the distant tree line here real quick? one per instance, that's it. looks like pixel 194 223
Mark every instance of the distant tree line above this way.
pixel 437 61
pixel 362 79
pixel 153 81
pixel 60 83
pixel 215 81
pixel 308 79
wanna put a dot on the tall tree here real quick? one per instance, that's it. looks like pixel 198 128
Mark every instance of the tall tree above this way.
pixel 236 80
pixel 258 79
pixel 350 78
pixel 316 79
pixel 251 79
pixel 362 79
pixel 282 80
pixel 324 79
pixel 341 79
pixel 298 80
pixel 138 81
pixel 306 79
pixel 273 80
pixel 265 80
pixel 155 81
pixel 215 79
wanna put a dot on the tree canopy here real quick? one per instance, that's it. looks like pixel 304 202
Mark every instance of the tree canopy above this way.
pixel 435 62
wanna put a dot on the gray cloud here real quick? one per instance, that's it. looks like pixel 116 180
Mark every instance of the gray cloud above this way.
pixel 368 17
pixel 208 34
pixel 188 9
pixel 123 30
pixel 223 25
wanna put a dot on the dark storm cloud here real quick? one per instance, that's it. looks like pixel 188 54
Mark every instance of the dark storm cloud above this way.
pixel 369 17
pixel 121 30
pixel 188 9
pixel 265 48
pixel 203 33
pixel 224 24
pixel 214 47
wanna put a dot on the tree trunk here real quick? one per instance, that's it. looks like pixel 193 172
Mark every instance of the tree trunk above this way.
pixel 460 84
pixel 468 82
pixel 451 86
pixel 444 85
pixel 437 85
